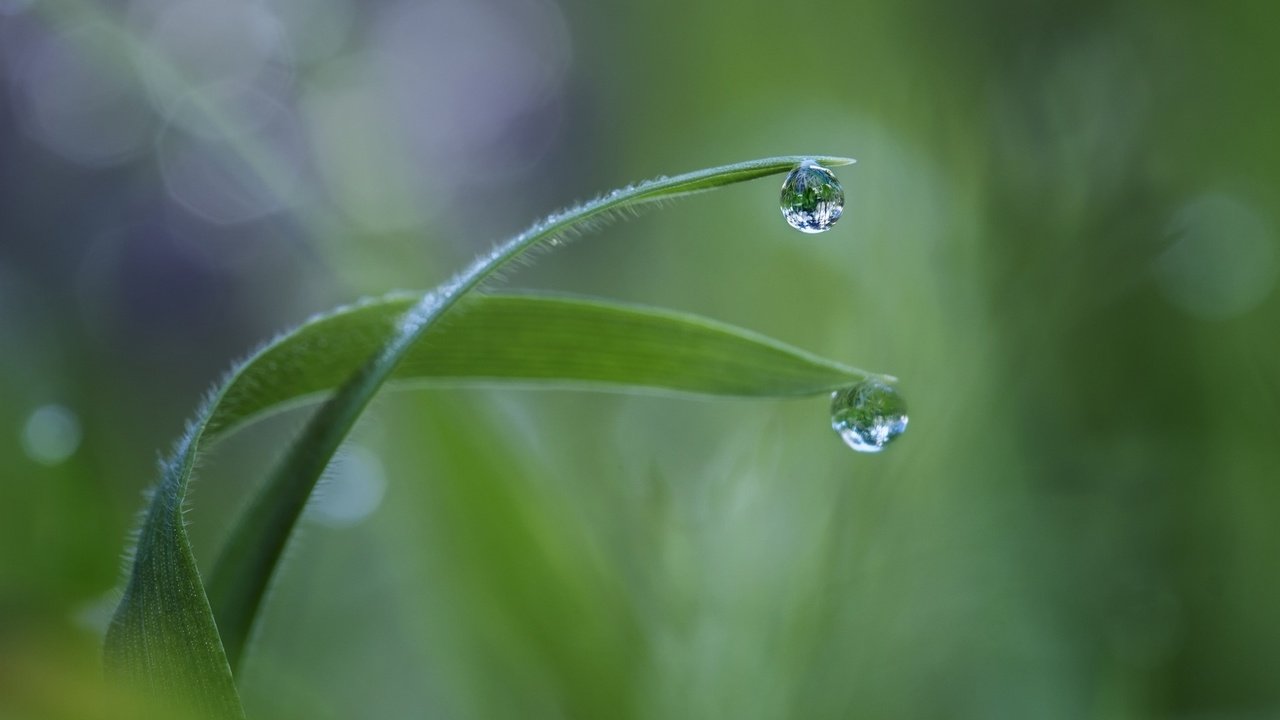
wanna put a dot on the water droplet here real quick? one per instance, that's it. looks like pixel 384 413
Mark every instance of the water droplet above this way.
pixel 812 198
pixel 868 415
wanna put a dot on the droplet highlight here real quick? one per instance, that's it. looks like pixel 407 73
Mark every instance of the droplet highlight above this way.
pixel 812 198
pixel 869 415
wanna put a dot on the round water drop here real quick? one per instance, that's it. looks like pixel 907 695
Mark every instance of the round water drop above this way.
pixel 812 198
pixel 868 415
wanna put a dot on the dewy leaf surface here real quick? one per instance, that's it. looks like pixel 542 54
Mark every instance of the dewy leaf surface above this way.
pixel 163 638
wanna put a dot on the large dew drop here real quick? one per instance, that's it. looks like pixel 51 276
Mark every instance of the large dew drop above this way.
pixel 868 415
pixel 812 199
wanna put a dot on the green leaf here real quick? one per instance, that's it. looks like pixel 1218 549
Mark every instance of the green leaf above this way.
pixel 533 339
pixel 509 338
pixel 163 636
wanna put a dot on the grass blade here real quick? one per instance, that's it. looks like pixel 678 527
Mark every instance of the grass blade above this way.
pixel 163 636
pixel 531 339
pixel 521 338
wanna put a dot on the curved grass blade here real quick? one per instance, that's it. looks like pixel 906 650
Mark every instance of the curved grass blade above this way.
pixel 529 339
pixel 163 635
pixel 509 338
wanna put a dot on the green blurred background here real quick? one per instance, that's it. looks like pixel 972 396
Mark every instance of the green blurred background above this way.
pixel 1061 236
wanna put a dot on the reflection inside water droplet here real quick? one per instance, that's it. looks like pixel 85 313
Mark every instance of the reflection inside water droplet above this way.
pixel 868 415
pixel 812 198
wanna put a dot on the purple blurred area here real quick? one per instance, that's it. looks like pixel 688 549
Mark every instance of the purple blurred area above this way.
pixel 194 174
pixel 181 179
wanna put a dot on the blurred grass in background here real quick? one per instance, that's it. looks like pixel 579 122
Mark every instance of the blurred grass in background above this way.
pixel 1061 235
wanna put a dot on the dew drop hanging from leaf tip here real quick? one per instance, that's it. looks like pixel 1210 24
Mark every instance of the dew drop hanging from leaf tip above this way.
pixel 812 198
pixel 869 415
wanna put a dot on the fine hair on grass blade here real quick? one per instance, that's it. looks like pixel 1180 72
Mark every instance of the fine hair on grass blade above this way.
pixel 164 636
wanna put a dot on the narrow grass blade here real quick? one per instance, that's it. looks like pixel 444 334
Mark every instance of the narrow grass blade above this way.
pixel 163 636
pixel 530 339
pixel 509 338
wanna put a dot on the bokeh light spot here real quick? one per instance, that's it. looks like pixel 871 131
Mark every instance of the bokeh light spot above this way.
pixel 76 93
pixel 1222 262
pixel 352 491
pixel 51 434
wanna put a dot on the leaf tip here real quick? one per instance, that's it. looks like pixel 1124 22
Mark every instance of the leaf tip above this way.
pixel 838 161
